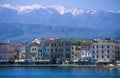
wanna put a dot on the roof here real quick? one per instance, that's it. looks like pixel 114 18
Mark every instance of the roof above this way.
pixel 34 44
pixel 49 41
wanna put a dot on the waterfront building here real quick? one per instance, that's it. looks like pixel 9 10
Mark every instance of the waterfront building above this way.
pixel 46 52
pixel 75 54
pixel 38 53
pixel 60 50
pixel 20 49
pixel 22 54
pixel 7 52
pixel 86 54
pixel 44 55
pixel 103 50
pixel 85 46
pixel 117 50
pixel 32 52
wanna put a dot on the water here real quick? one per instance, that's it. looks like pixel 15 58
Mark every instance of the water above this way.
pixel 59 72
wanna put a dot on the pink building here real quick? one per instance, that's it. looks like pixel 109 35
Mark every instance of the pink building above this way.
pixel 6 52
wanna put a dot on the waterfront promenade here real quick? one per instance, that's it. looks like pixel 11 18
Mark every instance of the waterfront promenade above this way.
pixel 51 65
pixel 58 65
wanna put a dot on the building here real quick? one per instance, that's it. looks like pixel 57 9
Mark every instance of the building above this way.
pixel 86 54
pixel 7 52
pixel 85 46
pixel 117 50
pixel 60 50
pixel 46 52
pixel 75 54
pixel 33 52
pixel 103 50
pixel 20 49
pixel 38 53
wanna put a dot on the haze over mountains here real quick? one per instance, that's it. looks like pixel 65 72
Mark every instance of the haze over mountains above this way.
pixel 52 21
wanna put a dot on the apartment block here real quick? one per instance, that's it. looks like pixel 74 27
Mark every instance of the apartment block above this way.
pixel 103 49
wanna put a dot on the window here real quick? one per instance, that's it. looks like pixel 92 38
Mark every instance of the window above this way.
pixel 102 51
pixel 102 46
pixel 62 44
pixel 102 56
pixel 32 49
pixel 51 49
pixel 93 56
pixel 72 52
pixel 59 44
pixel 68 49
pixel 61 50
pixel 51 44
pixel 54 44
pixel 97 46
pixel 47 49
pixel 66 44
pixel 108 56
pixel 97 56
pixel 56 49
pixel 35 49
pixel 97 51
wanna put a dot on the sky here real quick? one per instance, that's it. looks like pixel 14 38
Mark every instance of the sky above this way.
pixel 82 4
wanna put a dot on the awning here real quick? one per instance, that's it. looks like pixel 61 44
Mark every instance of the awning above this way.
pixel 118 62
pixel 41 61
pixel 104 60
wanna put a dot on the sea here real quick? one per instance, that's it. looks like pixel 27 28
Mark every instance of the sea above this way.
pixel 59 72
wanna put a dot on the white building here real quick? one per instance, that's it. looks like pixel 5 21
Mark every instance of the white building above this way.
pixel 38 53
pixel 103 50
pixel 22 53
pixel 86 54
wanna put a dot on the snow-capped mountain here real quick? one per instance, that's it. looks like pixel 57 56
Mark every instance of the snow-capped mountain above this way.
pixel 100 23
pixel 57 15
pixel 60 9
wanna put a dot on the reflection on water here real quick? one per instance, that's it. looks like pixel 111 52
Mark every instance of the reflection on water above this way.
pixel 59 72
pixel 119 70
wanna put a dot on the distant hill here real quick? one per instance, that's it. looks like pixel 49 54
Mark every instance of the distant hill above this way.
pixel 25 32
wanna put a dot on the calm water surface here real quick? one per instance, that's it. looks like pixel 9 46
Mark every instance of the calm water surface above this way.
pixel 59 72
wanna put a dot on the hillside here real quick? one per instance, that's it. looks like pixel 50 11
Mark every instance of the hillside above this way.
pixel 16 32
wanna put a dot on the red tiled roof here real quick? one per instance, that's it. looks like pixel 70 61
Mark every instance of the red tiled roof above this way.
pixel 49 41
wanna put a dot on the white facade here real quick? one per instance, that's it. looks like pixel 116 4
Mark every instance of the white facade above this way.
pixel 86 54
pixel 103 49
pixel 33 54
pixel 39 53
pixel 22 53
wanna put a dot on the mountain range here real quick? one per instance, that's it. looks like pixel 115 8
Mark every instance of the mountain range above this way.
pixel 55 20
